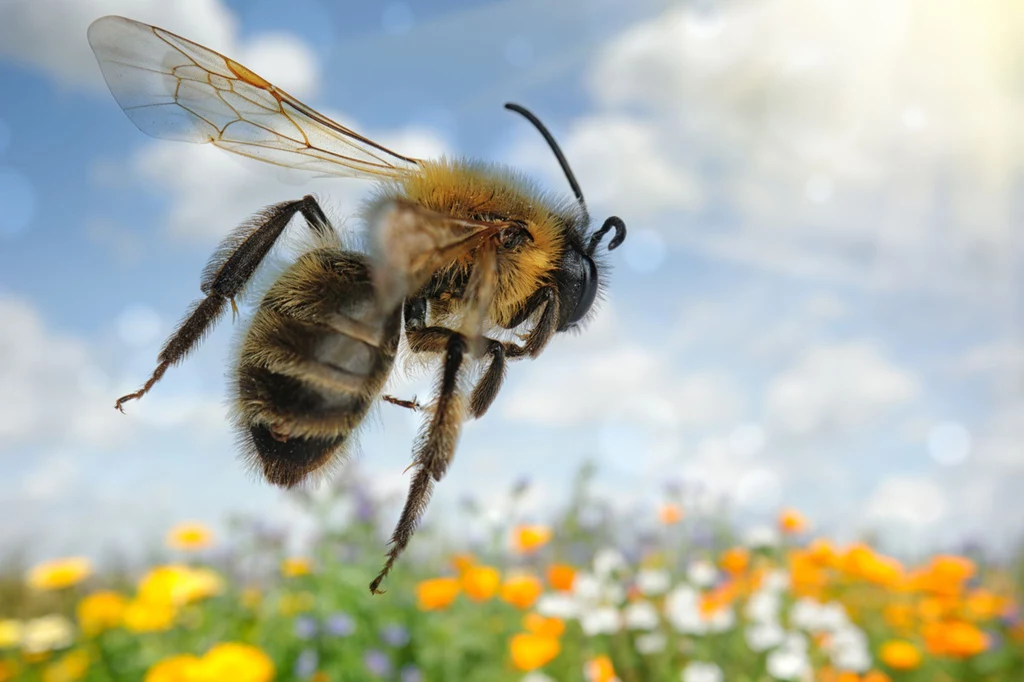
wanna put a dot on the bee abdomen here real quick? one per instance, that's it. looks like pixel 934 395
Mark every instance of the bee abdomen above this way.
pixel 312 365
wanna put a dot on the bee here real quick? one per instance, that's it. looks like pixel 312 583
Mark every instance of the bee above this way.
pixel 467 261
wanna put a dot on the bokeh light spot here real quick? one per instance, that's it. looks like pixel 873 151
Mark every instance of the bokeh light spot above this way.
pixel 397 18
pixel 18 199
pixel 949 443
pixel 759 490
pixel 138 326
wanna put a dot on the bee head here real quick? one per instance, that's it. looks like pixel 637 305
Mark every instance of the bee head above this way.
pixel 577 275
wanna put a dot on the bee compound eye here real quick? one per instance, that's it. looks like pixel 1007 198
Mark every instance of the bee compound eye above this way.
pixel 587 291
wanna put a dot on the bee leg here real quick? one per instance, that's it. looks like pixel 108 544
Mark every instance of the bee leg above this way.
pixel 486 390
pixel 409 404
pixel 434 451
pixel 543 330
pixel 227 272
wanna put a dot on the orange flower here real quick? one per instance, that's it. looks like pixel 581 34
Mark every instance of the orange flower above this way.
pixel 899 616
pixel 530 651
pixel 900 655
pixel 295 566
pixel 875 676
pixel 521 590
pixel 982 604
pixel 599 669
pixel 930 608
pixel 189 537
pixel 437 593
pixel 670 513
pixel 480 582
pixel 528 539
pixel 462 562
pixel 561 577
pixel 735 560
pixel 821 552
pixel 957 639
pixel 791 521
pixel 545 627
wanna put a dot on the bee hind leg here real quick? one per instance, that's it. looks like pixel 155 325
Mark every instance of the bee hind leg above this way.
pixel 229 269
pixel 434 450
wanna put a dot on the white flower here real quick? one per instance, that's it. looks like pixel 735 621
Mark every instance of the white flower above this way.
pixel 698 671
pixel 776 581
pixel 607 561
pixel 651 582
pixel 762 607
pixel 848 648
pixel 587 587
pixel 764 636
pixel 682 609
pixel 806 615
pixel 795 642
pixel 721 620
pixel 602 620
pixel 46 634
pixel 640 615
pixel 762 536
pixel 557 605
pixel 787 664
pixel 833 617
pixel 650 642
pixel 701 573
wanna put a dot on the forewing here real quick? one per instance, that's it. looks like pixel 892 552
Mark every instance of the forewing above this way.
pixel 409 243
pixel 173 88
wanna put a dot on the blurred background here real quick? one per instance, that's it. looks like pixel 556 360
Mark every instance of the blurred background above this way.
pixel 818 305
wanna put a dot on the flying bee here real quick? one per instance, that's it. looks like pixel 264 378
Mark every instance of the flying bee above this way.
pixel 460 257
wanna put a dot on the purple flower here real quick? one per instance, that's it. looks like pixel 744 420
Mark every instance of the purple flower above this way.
pixel 305 664
pixel 395 635
pixel 305 627
pixel 340 624
pixel 410 673
pixel 377 662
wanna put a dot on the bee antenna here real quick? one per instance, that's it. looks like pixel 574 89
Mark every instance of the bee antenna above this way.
pixel 620 234
pixel 554 148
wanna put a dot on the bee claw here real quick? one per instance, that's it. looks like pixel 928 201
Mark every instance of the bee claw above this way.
pixel 234 310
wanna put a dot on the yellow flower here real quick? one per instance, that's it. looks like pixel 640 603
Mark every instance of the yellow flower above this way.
pixel 293 567
pixel 528 539
pixel 10 633
pixel 189 537
pixel 101 611
pixel 201 583
pixel 164 584
pixel 670 514
pixel 71 667
pixel 791 521
pixel 545 627
pixel 561 577
pixel 900 655
pixel 46 634
pixel 180 668
pixel 521 590
pixel 59 573
pixel 437 593
pixel 480 582
pixel 142 615
pixel 735 560
pixel 291 604
pixel 530 651
pixel 238 663
pixel 875 676
pixel 599 669
pixel 252 598
pixel 982 604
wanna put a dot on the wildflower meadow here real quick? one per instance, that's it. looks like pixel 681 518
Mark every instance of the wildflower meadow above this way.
pixel 584 596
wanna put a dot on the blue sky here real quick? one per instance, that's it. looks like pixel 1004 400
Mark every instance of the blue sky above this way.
pixel 818 304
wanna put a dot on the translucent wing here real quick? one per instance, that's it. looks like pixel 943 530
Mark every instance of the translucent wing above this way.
pixel 173 88
pixel 409 243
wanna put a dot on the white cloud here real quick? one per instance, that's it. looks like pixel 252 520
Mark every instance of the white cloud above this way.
pixel 915 501
pixel 841 386
pixel 871 142
pixel 52 35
